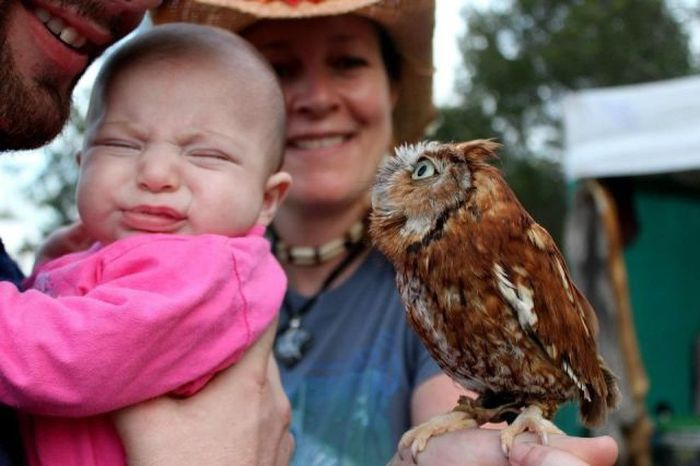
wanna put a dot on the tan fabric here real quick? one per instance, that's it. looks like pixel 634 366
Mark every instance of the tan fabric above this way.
pixel 409 23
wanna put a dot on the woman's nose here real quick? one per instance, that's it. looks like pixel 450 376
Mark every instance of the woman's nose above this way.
pixel 314 94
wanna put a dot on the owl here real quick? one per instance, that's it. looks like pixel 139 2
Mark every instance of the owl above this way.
pixel 488 292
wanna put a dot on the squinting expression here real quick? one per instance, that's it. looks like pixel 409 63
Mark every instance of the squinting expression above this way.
pixel 157 164
pixel 339 104
pixel 45 45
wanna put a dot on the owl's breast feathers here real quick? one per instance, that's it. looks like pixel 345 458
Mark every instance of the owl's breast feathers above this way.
pixel 493 301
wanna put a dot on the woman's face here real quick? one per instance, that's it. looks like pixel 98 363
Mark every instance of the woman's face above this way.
pixel 339 104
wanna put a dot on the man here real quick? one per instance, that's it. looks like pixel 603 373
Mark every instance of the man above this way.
pixel 45 46
pixel 44 49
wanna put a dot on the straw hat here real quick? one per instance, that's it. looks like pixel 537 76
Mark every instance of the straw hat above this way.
pixel 409 23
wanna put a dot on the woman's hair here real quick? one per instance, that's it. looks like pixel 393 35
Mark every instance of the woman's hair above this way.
pixel 390 56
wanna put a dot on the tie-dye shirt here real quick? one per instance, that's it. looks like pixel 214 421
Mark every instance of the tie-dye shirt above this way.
pixel 351 392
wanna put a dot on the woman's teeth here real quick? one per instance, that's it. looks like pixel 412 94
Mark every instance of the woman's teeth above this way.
pixel 67 34
pixel 318 143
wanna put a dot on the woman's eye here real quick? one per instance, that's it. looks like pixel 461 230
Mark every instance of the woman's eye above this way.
pixel 283 70
pixel 349 62
pixel 425 168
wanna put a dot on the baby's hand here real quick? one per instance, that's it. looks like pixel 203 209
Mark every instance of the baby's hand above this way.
pixel 64 240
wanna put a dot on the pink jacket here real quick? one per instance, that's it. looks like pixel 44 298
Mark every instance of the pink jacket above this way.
pixel 113 326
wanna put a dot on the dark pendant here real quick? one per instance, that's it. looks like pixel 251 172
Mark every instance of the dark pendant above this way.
pixel 292 343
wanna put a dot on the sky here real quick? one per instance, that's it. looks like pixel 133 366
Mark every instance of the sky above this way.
pixel 449 26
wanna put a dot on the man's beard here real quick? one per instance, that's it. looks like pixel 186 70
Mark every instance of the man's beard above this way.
pixel 31 113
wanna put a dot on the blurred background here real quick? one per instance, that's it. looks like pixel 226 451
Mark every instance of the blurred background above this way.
pixel 597 104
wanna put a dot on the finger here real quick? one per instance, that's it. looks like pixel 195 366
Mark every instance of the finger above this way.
pixel 273 376
pixel 253 367
pixel 465 446
pixel 269 335
pixel 530 454
pixel 284 411
pixel 564 450
pixel 594 450
pixel 286 450
pixel 261 350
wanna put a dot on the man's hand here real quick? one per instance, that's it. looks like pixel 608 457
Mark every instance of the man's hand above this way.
pixel 241 417
pixel 482 447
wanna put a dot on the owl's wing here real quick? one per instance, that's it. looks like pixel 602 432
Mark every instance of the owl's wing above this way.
pixel 531 276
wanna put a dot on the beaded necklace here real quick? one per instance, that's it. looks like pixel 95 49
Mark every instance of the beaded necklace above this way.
pixel 293 340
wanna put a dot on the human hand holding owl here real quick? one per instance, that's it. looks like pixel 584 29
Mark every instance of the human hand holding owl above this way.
pixel 488 292
pixel 481 447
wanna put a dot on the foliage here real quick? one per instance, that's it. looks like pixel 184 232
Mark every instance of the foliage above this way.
pixel 53 189
pixel 55 186
pixel 521 57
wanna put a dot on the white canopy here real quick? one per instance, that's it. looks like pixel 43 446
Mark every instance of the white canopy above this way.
pixel 633 130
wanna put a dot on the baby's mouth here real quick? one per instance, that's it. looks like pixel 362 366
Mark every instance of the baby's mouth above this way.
pixel 155 219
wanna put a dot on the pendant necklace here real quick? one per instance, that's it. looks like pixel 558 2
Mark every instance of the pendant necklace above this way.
pixel 293 341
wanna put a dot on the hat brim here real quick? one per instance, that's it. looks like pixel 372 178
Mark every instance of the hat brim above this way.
pixel 408 23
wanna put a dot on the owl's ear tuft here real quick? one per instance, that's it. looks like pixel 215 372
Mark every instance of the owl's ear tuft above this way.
pixel 480 149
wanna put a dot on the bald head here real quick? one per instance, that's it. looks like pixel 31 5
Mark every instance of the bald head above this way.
pixel 199 47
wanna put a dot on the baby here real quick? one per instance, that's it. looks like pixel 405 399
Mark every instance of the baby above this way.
pixel 179 175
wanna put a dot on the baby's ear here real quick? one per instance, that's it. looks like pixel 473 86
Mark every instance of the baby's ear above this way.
pixel 276 190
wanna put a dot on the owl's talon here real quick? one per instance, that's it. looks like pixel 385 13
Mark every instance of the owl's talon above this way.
pixel 530 419
pixel 413 441
pixel 506 443
pixel 417 438
pixel 417 447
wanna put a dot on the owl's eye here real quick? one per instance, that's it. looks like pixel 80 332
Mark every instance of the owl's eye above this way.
pixel 425 168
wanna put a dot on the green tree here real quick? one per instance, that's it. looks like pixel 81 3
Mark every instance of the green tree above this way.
pixel 522 56
pixel 53 188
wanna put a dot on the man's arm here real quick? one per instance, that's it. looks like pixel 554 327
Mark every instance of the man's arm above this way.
pixel 241 417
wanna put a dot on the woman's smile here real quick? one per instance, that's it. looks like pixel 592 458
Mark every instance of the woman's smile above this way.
pixel 316 142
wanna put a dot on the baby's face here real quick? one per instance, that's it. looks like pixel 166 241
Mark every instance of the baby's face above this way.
pixel 177 148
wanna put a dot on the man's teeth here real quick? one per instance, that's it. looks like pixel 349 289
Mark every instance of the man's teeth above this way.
pixel 318 143
pixel 67 34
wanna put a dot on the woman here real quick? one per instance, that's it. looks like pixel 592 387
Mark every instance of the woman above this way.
pixel 357 79
pixel 363 377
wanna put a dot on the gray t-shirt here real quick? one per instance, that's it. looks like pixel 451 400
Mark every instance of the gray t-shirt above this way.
pixel 351 392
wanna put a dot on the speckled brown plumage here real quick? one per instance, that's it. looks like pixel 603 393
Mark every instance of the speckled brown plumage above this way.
pixel 485 286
